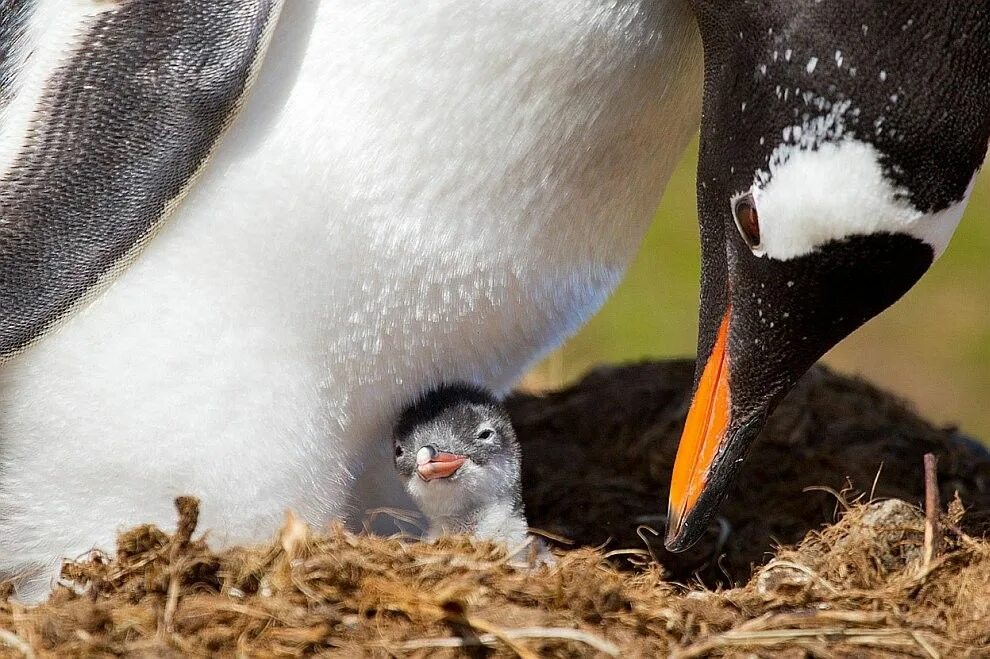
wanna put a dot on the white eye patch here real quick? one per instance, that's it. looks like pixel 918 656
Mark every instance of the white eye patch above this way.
pixel 839 190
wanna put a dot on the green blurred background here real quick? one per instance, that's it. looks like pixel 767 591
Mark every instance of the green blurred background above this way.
pixel 932 347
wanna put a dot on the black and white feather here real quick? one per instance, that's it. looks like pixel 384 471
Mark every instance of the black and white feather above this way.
pixel 108 111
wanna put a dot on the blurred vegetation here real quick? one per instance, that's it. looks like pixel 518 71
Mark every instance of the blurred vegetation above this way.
pixel 932 347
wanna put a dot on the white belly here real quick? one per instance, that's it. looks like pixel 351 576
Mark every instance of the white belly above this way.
pixel 416 191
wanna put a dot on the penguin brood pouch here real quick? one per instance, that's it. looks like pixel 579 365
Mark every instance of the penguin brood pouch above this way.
pixel 346 241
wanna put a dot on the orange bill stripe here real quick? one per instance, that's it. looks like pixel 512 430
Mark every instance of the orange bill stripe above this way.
pixel 704 431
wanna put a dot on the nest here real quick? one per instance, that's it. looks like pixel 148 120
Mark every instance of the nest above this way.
pixel 882 579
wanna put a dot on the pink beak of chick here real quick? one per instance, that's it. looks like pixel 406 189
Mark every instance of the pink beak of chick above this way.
pixel 432 464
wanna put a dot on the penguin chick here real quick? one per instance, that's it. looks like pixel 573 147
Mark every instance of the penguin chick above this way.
pixel 459 458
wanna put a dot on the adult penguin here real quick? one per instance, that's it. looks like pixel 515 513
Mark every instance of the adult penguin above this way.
pixel 408 192
pixel 840 142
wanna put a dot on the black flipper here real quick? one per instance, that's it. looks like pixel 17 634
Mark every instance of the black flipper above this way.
pixel 121 132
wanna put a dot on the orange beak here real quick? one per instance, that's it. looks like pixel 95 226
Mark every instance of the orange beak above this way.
pixel 704 433
pixel 440 465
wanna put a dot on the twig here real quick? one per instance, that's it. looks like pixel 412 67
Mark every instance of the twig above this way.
pixel 627 552
pixel 876 479
pixel 883 638
pixel 293 536
pixel 12 640
pixel 933 536
pixel 839 497
pixel 484 626
pixel 551 536
pixel 561 633
pixel 188 509
pixel 804 570
pixel 639 531
pixel 925 645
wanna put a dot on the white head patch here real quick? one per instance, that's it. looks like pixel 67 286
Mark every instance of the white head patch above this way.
pixel 813 196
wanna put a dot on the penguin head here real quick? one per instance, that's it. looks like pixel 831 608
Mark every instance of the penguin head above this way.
pixel 456 449
pixel 839 144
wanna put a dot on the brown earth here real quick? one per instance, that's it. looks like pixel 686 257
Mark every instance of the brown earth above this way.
pixel 596 458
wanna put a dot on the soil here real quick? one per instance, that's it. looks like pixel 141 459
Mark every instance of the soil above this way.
pixel 841 570
pixel 597 458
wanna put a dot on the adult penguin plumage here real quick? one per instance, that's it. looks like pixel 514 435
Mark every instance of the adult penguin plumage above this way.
pixel 324 209
pixel 840 142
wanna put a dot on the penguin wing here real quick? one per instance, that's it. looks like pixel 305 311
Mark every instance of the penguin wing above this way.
pixel 108 111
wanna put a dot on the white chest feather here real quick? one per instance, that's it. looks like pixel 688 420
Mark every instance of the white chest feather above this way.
pixel 415 191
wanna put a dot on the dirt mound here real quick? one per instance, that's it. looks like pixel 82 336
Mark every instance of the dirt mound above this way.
pixel 596 458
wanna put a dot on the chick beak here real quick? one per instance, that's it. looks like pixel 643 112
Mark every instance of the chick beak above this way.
pixel 432 464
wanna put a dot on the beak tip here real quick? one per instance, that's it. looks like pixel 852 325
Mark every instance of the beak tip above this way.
pixel 685 527
pixel 674 542
pixel 674 539
pixel 681 536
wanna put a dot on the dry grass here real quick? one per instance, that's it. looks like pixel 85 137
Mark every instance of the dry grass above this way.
pixel 596 458
pixel 856 587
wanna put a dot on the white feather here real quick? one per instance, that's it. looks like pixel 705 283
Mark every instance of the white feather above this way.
pixel 839 190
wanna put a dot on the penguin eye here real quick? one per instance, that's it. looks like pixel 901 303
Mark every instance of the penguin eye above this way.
pixel 486 434
pixel 398 450
pixel 747 219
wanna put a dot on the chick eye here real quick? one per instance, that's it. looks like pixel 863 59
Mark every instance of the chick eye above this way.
pixel 398 450
pixel 485 434
pixel 747 219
